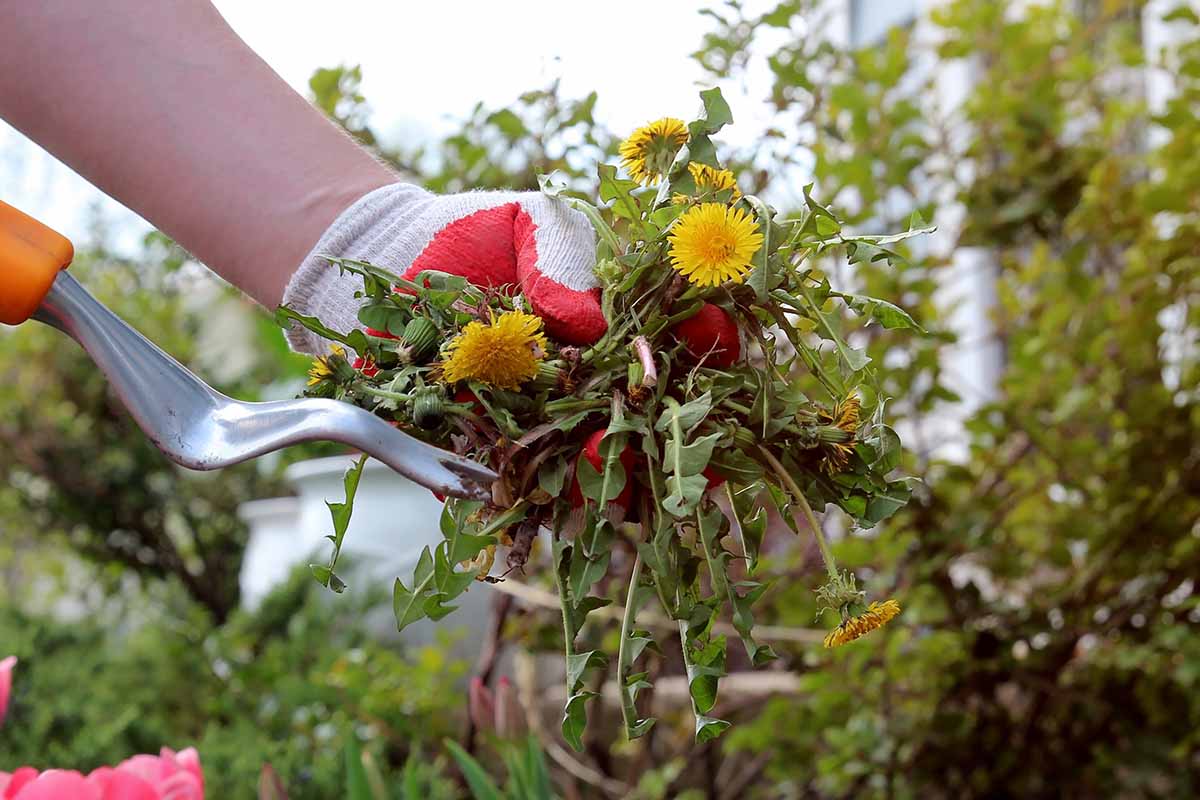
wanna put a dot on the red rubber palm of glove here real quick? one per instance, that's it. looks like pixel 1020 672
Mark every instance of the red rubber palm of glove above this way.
pixel 534 243
pixel 711 335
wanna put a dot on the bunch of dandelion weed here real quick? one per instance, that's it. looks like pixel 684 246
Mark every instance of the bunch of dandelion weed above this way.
pixel 621 449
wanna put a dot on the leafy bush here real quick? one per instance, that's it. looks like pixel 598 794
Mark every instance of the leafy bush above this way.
pixel 286 686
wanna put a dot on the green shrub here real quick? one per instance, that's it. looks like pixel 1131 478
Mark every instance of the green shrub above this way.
pixel 287 686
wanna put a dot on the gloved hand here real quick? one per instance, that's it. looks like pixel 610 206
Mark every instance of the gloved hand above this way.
pixel 524 239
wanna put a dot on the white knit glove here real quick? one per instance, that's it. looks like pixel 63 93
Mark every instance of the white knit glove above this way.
pixel 525 239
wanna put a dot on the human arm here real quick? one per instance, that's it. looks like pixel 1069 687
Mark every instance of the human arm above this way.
pixel 163 107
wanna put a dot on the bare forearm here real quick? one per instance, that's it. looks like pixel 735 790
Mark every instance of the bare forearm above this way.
pixel 162 106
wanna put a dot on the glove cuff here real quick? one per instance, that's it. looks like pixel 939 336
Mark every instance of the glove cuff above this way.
pixel 319 289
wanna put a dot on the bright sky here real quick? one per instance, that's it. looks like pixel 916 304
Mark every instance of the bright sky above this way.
pixel 425 64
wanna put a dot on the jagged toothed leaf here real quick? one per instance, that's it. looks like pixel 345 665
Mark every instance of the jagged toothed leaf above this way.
pixel 685 494
pixel 552 476
pixel 579 663
pixel 709 728
pixel 886 314
pixel 340 514
pixel 705 670
pixel 575 719
pixel 735 465
pixel 639 641
pixel 716 110
pixel 284 316
pixel 618 193
pixel 590 556
pixel 743 597
pixel 384 317
pixel 761 280
pixel 883 505
pixel 749 521
pixel 711 523
pixel 408 604
pixel 446 577
pixel 691 459
pixel 888 450
pixel 688 415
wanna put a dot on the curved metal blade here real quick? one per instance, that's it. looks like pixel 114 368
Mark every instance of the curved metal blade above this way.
pixel 200 428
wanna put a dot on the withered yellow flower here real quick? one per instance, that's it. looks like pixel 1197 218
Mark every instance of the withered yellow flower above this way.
pixel 712 243
pixel 876 616
pixel 710 180
pixel 321 369
pixel 648 152
pixel 845 416
pixel 503 353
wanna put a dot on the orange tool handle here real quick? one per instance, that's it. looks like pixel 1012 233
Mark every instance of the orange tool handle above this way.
pixel 31 256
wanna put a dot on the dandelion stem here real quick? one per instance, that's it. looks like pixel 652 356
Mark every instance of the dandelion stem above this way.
pixel 738 407
pixel 649 370
pixel 384 394
pixel 818 532
pixel 573 404
pixel 568 616
pixel 628 707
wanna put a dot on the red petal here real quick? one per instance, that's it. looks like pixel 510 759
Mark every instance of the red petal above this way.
pixel 17 780
pixel 120 785
pixel 57 784
pixel 6 671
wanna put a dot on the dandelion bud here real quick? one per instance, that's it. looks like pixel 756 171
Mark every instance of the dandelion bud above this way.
pixel 548 375
pixel 744 438
pixel 421 336
pixel 428 407
pixel 608 272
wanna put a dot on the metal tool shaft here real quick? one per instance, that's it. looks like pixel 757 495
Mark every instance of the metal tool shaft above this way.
pixel 200 428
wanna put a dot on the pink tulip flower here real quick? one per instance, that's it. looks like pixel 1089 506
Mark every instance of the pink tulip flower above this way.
pixel 169 776
pixel 6 671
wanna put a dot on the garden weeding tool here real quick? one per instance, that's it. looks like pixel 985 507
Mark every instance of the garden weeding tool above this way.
pixel 189 421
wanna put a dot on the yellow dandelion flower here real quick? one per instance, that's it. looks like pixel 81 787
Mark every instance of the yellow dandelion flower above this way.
pixel 876 616
pixel 321 369
pixel 503 353
pixel 712 243
pixel 710 180
pixel 844 416
pixel 648 152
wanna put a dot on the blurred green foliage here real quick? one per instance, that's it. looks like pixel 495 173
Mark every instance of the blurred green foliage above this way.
pixel 507 148
pixel 284 686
